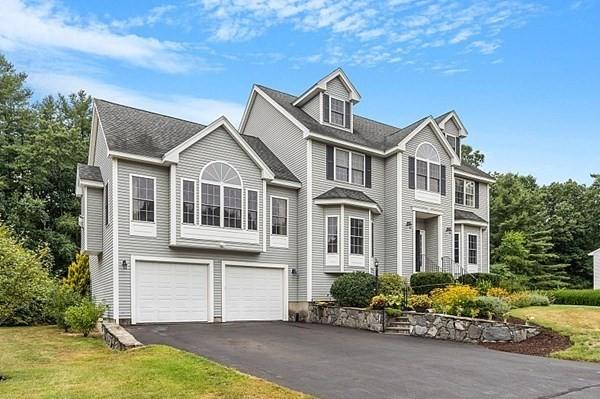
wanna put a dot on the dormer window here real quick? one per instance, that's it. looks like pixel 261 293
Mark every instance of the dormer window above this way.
pixel 337 111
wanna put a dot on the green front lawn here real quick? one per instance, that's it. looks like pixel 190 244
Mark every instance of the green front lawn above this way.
pixel 42 362
pixel 580 323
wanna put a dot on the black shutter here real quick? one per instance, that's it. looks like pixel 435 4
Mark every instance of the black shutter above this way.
pixel 411 172
pixel 443 179
pixel 368 171
pixel 348 115
pixel 325 108
pixel 476 194
pixel 458 146
pixel 329 162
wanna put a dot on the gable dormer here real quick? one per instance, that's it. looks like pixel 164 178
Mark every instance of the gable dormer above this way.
pixel 330 100
pixel 453 129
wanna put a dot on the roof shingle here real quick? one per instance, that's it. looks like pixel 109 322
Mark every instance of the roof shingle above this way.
pixel 89 172
pixel 346 193
pixel 467 168
pixel 459 214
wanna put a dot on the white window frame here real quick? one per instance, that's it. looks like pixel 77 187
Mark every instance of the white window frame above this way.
pixel 343 125
pixel 279 240
pixel 195 201
pixel 257 209
pixel 425 194
pixel 469 183
pixel 221 197
pixel 332 259
pixel 356 259
pixel 350 153
pixel 139 227
pixel 469 249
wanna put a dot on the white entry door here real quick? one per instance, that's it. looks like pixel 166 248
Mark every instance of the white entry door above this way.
pixel 254 293
pixel 170 292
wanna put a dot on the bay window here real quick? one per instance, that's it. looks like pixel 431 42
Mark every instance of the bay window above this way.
pixel 357 235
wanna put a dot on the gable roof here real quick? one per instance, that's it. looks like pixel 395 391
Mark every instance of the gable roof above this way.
pixel 321 85
pixel 442 119
pixel 135 131
pixel 279 169
pixel 89 172
pixel 459 214
pixel 474 171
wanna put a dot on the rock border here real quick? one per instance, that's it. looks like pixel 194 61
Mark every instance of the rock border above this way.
pixel 466 329
pixel 359 318
pixel 118 338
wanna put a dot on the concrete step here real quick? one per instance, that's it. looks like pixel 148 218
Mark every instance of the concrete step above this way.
pixel 396 332
pixel 399 323
pixel 402 328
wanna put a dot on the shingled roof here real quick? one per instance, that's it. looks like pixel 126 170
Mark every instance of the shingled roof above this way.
pixel 367 132
pixel 277 167
pixel 89 172
pixel 466 215
pixel 346 193
pixel 467 168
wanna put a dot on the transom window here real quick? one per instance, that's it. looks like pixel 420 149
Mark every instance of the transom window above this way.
pixel 332 234
pixel 279 216
pixel 221 196
pixel 337 111
pixel 464 192
pixel 428 168
pixel 472 249
pixel 252 210
pixel 357 236
pixel 142 199
pixel 188 201
pixel 349 167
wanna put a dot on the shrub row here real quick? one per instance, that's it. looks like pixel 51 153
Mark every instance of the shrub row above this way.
pixel 575 297
pixel 356 289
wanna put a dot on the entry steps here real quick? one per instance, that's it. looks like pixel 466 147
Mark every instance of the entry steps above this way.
pixel 398 326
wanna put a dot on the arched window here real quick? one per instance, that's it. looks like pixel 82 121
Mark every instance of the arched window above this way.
pixel 428 168
pixel 221 196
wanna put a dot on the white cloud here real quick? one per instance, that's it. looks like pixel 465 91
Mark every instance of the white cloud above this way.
pixel 196 109
pixel 44 26
pixel 485 47
pixel 155 15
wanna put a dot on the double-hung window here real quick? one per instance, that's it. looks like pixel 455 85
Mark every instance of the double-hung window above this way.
pixel 332 234
pixel 459 191
pixel 357 236
pixel 472 249
pixel 465 192
pixel 337 111
pixel 252 210
pixel 421 175
pixel 188 194
pixel 349 167
pixel 428 173
pixel 221 196
pixel 469 193
pixel 434 177
pixel 211 204
pixel 279 216
pixel 232 207
pixel 142 199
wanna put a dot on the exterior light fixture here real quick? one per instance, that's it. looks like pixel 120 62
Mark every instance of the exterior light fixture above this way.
pixel 124 264
pixel 408 224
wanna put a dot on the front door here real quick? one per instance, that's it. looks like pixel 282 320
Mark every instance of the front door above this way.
pixel 420 250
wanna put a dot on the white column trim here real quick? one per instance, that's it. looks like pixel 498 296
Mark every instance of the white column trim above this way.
pixel 487 238
pixel 173 204
pixel 342 236
pixel 440 239
pixel 462 247
pixel 115 243
pixel 400 230
pixel 414 242
pixel 371 253
pixel 265 225
pixel 309 209
pixel 85 217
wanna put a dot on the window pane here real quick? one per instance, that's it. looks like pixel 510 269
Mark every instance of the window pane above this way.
pixel 469 193
pixel 337 111
pixel 189 202
pixel 358 168
pixel 142 199
pixel 421 175
pixel 434 179
pixel 332 235
pixel 456 248
pixel 342 165
pixel 356 236
pixel 472 249
pixel 252 210
pixel 232 207
pixel 460 191
pixel 211 205
pixel 279 216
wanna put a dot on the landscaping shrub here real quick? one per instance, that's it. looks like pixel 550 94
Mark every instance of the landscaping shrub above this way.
pixel 538 299
pixel 391 312
pixel 392 284
pixel 354 289
pixel 78 275
pixel 483 286
pixel 519 299
pixel 575 297
pixel 388 301
pixel 83 317
pixel 453 300
pixel 60 299
pixel 473 278
pixel 378 302
pixel 488 306
pixel 420 303
pixel 24 282
pixel 425 282
pixel 498 292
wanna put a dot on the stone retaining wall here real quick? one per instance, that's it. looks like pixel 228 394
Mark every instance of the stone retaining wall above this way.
pixel 465 329
pixel 363 319
pixel 116 337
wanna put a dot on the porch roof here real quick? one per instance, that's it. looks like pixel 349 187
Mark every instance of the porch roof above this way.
pixel 459 214
pixel 349 197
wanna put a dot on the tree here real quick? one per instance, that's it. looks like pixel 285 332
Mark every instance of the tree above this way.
pixel 78 275
pixel 474 158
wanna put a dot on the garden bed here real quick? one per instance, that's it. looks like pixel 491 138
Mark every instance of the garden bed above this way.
pixel 543 344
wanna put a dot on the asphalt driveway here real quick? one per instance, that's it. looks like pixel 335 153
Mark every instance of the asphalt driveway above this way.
pixel 333 362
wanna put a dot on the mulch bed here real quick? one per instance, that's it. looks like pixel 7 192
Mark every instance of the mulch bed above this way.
pixel 543 344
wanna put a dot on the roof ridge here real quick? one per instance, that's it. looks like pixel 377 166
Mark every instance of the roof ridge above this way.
pixel 149 112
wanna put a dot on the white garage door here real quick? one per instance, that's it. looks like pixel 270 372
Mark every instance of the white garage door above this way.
pixel 170 292
pixel 254 293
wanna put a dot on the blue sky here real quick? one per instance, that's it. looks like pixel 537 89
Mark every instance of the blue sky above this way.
pixel 523 75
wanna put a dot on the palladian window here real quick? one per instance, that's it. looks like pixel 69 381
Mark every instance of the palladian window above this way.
pixel 221 196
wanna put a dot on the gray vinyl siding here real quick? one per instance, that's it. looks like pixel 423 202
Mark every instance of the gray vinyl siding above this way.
pixel 94 219
pixel 597 270
pixel 390 215
pixel 336 88
pixel 104 270
pixel 313 107
pixel 451 128
pixel 321 280
pixel 409 201
pixel 287 143
pixel 159 246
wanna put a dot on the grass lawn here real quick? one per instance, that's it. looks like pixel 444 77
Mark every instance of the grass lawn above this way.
pixel 42 362
pixel 580 323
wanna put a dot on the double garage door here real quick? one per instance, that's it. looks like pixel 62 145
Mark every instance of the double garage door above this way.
pixel 164 291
